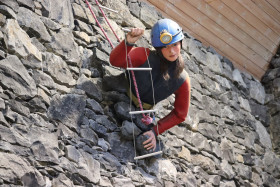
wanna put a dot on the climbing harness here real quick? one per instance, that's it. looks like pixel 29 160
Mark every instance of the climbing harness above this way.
pixel 147 120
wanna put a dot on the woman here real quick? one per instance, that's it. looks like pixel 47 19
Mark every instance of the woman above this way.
pixel 168 72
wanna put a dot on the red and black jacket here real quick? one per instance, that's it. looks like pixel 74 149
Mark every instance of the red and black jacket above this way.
pixel 180 87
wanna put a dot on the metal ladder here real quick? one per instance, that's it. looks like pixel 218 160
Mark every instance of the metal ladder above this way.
pixel 141 112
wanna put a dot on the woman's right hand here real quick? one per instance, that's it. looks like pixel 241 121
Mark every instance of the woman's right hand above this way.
pixel 151 142
pixel 134 35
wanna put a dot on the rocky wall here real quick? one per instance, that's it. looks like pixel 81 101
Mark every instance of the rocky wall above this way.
pixel 271 81
pixel 64 111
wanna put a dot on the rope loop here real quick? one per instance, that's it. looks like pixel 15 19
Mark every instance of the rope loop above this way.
pixel 147 120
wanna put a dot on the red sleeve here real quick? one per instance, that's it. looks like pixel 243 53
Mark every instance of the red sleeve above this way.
pixel 137 55
pixel 180 111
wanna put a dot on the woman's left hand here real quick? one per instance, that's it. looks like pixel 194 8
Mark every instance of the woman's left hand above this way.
pixel 150 143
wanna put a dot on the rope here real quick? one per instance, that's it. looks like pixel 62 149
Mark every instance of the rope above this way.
pixel 99 24
pixel 107 20
pixel 146 118
pixel 153 90
pixel 151 78
pixel 130 103
pixel 135 85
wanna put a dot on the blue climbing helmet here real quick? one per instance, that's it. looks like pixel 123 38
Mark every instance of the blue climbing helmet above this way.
pixel 166 32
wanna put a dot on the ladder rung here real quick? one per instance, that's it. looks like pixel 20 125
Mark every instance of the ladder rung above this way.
pixel 148 155
pixel 126 30
pixel 140 69
pixel 108 8
pixel 141 111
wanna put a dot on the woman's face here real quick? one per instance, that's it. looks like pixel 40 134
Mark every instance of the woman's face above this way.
pixel 171 52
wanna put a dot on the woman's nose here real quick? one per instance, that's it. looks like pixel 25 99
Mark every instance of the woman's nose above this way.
pixel 172 50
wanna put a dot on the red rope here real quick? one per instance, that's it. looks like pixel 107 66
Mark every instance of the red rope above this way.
pixel 107 20
pixel 146 118
pixel 135 84
pixel 99 24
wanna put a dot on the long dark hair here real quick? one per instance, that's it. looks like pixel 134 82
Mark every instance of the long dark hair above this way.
pixel 164 64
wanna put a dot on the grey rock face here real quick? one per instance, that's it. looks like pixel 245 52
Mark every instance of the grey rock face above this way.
pixel 238 78
pixel 264 136
pixel 33 24
pixel 129 130
pixel 64 45
pixel 64 111
pixel 19 170
pixel 82 13
pixel 257 92
pixel 123 150
pixel 275 62
pixel 94 106
pixel 58 69
pixel 89 168
pixel 148 15
pixel 67 109
pixel 114 80
pixel 15 77
pixel 13 4
pixel 61 13
pixel 122 109
pixel 28 3
pixel 18 42
pixel 89 87
pixel 8 12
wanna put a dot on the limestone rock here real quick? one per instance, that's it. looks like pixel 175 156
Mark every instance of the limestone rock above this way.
pixel 61 13
pixel 89 86
pixel 14 169
pixel 15 77
pixel 89 168
pixel 18 42
pixel 8 12
pixel 67 109
pixel 67 48
pixel 257 92
pixel 148 15
pixel 33 24
pixel 129 130
pixel 263 134
pixel 57 68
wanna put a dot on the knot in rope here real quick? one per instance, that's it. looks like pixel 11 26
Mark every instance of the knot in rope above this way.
pixel 147 120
